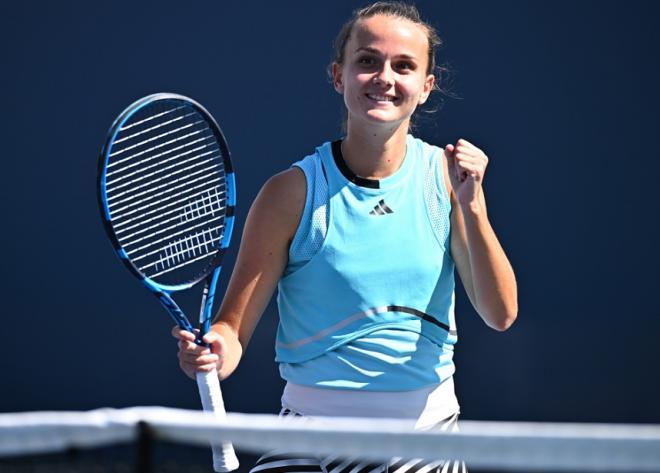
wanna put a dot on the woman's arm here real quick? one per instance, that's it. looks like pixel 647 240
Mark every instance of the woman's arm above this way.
pixel 482 265
pixel 263 254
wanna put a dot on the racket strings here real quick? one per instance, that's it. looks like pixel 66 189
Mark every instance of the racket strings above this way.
pixel 183 210
pixel 158 139
pixel 166 192
pixel 156 198
pixel 150 118
pixel 185 251
pixel 141 163
pixel 166 179
pixel 143 211
pixel 170 232
pixel 177 159
pixel 160 125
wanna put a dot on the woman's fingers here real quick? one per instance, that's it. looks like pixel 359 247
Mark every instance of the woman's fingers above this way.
pixel 180 334
pixel 193 357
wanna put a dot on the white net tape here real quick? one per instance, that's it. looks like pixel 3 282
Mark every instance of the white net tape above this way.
pixel 514 446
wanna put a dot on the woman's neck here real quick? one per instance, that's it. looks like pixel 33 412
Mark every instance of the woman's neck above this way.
pixel 374 154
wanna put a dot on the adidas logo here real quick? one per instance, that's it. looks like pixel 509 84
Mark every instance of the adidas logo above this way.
pixel 381 209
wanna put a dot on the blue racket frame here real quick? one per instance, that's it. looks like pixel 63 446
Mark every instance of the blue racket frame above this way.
pixel 162 291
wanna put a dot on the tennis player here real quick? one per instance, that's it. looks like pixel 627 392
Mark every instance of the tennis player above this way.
pixel 362 239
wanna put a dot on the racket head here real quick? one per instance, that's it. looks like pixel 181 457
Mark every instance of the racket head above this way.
pixel 166 191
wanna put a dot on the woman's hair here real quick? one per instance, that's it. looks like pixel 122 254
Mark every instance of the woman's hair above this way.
pixel 389 8
pixel 405 11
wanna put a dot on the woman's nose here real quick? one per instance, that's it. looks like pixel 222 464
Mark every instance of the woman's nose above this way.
pixel 384 76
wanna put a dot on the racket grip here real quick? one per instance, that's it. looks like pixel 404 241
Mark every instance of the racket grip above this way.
pixel 224 457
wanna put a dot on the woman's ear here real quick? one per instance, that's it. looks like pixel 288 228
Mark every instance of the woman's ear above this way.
pixel 337 78
pixel 427 89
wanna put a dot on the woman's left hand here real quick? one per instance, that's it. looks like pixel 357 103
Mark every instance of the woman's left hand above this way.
pixel 467 166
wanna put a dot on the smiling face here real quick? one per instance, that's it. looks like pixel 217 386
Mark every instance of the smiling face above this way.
pixel 383 77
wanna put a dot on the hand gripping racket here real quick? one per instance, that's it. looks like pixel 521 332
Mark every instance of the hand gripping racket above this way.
pixel 167 194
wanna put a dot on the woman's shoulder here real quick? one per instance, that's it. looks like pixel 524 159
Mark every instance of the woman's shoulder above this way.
pixel 285 187
pixel 285 193
pixel 279 205
pixel 425 148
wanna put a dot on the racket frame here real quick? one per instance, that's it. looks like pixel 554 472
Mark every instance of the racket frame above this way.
pixel 224 457
pixel 164 291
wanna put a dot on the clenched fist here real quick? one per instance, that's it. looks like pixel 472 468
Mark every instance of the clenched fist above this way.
pixel 467 166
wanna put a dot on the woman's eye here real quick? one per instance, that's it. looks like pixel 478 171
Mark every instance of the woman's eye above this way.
pixel 406 66
pixel 367 61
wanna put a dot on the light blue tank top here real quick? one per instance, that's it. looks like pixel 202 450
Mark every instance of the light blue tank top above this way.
pixel 367 299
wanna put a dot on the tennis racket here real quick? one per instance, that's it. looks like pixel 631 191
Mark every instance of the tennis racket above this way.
pixel 166 192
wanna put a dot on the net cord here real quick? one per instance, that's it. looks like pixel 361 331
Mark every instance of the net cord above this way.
pixel 515 446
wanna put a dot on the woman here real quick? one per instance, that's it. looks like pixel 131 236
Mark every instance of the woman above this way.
pixel 362 238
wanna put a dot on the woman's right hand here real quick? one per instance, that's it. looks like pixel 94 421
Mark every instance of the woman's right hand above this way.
pixel 194 358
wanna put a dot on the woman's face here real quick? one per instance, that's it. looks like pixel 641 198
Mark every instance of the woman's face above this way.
pixel 383 78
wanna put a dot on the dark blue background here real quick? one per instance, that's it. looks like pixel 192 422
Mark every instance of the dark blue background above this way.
pixel 563 96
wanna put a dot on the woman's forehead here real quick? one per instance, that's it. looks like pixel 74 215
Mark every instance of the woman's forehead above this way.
pixel 383 31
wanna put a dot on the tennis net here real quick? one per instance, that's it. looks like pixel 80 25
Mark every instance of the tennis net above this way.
pixel 157 439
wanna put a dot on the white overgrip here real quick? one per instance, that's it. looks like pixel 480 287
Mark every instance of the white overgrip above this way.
pixel 224 457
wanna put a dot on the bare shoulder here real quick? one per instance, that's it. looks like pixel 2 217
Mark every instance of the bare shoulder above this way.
pixel 284 193
pixel 286 187
pixel 281 201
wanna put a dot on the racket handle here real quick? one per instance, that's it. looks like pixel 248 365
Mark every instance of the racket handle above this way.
pixel 224 457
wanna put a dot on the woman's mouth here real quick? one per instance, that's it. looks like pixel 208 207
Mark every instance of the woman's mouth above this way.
pixel 381 98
